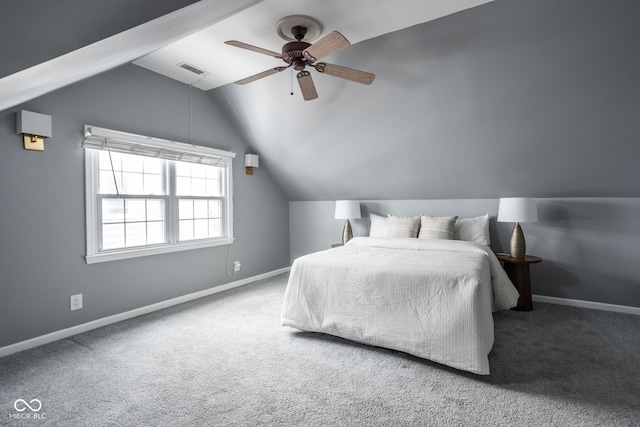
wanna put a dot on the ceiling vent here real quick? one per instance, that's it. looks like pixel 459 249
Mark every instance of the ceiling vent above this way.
pixel 192 68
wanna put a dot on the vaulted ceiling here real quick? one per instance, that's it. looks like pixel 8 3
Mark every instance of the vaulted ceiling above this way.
pixel 357 20
pixel 476 103
pixel 47 45
pixel 508 98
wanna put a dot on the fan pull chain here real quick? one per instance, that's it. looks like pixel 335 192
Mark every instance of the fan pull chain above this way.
pixel 291 81
pixel 190 113
pixel 190 107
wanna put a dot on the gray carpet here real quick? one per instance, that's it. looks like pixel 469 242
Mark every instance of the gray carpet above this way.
pixel 225 360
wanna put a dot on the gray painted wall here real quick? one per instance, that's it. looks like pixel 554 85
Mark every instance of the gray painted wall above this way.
pixel 42 213
pixel 588 245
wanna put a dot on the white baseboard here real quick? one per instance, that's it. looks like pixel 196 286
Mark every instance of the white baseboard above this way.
pixel 98 323
pixel 588 304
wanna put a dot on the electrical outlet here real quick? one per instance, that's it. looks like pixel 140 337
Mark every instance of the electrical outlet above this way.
pixel 236 266
pixel 75 302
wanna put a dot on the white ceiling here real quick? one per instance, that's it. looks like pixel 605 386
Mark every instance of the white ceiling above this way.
pixel 196 35
pixel 357 20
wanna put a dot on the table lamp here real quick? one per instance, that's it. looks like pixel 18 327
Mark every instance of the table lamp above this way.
pixel 347 209
pixel 517 209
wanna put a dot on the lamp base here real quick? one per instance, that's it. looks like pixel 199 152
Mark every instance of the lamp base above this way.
pixel 517 246
pixel 347 233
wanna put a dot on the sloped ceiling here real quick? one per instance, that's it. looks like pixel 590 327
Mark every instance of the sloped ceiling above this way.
pixel 509 98
pixel 512 97
pixel 357 20
pixel 48 45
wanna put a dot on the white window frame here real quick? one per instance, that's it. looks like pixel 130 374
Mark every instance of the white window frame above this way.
pixel 97 139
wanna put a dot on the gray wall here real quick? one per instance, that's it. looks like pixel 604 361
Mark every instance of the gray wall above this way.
pixel 42 213
pixel 588 245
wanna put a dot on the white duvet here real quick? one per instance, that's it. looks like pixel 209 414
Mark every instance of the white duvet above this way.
pixel 430 298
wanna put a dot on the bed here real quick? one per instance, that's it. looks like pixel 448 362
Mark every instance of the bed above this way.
pixel 427 297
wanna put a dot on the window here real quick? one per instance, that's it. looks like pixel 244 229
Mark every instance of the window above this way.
pixel 147 196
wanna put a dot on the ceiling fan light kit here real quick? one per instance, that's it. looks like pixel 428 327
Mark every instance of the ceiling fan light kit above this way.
pixel 299 54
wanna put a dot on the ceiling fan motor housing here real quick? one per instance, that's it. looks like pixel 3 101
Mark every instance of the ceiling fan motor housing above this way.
pixel 292 54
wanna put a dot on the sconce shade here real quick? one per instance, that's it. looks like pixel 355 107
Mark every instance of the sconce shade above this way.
pixel 347 209
pixel 33 124
pixel 34 127
pixel 517 209
pixel 251 161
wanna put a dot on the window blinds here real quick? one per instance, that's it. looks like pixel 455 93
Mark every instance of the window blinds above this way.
pixel 121 142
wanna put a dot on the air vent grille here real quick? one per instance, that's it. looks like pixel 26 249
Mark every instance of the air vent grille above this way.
pixel 192 68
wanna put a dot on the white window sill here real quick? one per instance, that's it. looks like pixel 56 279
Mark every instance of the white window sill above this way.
pixel 139 252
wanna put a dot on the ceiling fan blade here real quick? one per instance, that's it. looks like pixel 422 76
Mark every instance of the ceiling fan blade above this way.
pixel 253 48
pixel 307 87
pixel 331 43
pixel 345 73
pixel 260 75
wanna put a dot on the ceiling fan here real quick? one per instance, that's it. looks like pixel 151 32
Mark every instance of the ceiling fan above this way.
pixel 300 54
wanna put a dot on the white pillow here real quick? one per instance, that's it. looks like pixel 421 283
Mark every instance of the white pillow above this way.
pixel 473 230
pixel 403 226
pixel 379 226
pixel 437 227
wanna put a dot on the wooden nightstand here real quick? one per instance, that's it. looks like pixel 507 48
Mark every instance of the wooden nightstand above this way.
pixel 336 245
pixel 518 271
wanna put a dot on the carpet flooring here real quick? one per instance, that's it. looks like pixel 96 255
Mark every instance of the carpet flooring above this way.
pixel 224 360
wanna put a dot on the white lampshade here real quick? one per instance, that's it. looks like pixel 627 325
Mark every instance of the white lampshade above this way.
pixel 251 160
pixel 33 124
pixel 517 209
pixel 347 209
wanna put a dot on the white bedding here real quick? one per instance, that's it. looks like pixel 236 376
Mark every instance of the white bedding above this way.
pixel 430 298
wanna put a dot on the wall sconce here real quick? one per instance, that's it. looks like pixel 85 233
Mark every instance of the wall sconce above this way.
pixel 251 161
pixel 34 127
